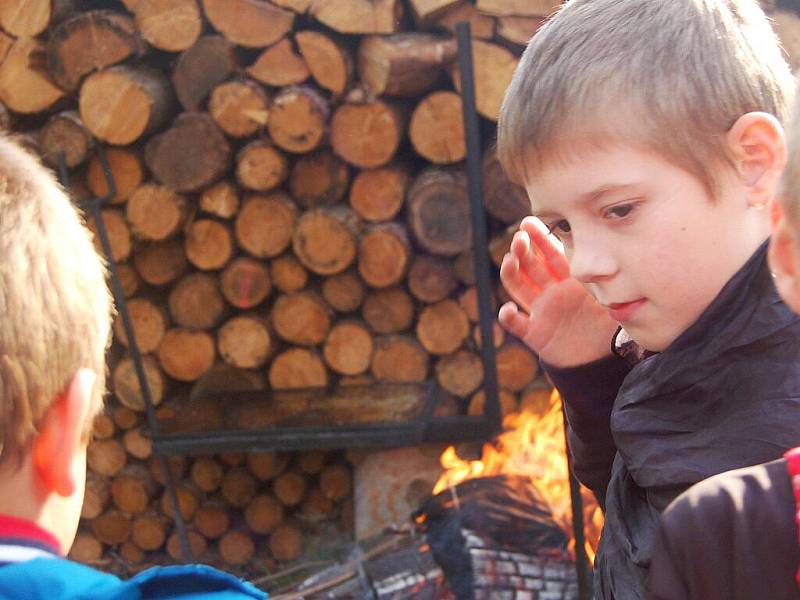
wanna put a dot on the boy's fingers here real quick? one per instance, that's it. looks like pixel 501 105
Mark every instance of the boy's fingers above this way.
pixel 517 284
pixel 555 260
pixel 531 261
pixel 512 320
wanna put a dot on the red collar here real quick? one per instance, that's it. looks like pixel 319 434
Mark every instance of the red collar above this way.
pixel 15 529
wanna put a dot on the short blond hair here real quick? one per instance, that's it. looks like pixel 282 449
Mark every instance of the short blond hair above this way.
pixel 666 75
pixel 55 309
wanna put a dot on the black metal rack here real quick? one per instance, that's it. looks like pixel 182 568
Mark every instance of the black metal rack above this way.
pixel 425 427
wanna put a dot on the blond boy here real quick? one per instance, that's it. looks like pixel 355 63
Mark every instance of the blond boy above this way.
pixel 735 535
pixel 55 314
pixel 648 137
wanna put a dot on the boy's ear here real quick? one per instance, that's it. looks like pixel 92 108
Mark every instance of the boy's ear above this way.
pixel 758 147
pixel 61 435
pixel 783 257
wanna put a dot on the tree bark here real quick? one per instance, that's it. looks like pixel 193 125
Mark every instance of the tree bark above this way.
pixel 504 200
pixel 209 62
pixel 318 179
pixel 65 135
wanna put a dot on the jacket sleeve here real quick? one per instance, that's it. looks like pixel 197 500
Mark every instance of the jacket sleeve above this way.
pixel 588 392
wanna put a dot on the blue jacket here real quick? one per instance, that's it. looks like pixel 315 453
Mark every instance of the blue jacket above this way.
pixel 57 578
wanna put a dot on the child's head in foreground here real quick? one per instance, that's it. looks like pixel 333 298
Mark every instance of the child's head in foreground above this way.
pixel 648 136
pixel 54 330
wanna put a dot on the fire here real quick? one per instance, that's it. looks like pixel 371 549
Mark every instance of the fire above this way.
pixel 532 445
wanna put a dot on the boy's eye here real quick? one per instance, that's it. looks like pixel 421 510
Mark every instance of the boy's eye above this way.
pixel 618 212
pixel 559 228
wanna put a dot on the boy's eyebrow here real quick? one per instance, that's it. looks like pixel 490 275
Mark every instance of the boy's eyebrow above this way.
pixel 589 197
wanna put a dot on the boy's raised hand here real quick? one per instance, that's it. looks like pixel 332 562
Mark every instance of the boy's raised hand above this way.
pixel 553 314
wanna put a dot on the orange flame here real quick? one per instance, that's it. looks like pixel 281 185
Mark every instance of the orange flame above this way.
pixel 533 446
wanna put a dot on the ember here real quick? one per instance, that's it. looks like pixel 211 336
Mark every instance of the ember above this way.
pixel 533 446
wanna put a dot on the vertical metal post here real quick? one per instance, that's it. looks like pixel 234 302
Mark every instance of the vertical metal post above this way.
pixel 479 240
pixel 93 206
pixel 582 568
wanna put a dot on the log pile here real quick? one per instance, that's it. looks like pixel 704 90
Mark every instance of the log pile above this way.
pixel 290 210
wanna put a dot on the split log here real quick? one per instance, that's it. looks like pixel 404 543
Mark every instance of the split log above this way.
pixel 137 444
pixel 406 64
pixel 494 66
pixel 190 155
pixel 481 26
pixel 126 383
pixel 279 66
pixel 286 542
pixel 185 354
pixel 86 548
pixel 149 324
pixel 187 503
pixel 209 62
pixel 112 527
pixel 197 545
pixel 239 107
pixel 207 473
pixel 265 224
pixel 23 18
pixel 126 171
pixel 298 6
pixel 359 16
pixel 297 368
pixel 504 200
pixel 245 283
pixel 208 244
pixel 383 255
pixel 96 494
pixel 336 482
pixel 330 63
pixel 25 87
pixel 516 367
pixel 311 462
pixel 148 532
pixel 125 418
pixel 520 8
pixel 250 23
pixel 437 128
pixel 431 278
pixel 378 194
pixel 267 465
pixel 245 342
pixel 171 25
pixel 460 373
pixel 301 318
pixel 316 507
pixel 236 547
pixel 155 212
pixel 438 211
pixel 90 41
pixel 121 104
pixel 427 10
pixel 160 263
pixel 131 489
pixel 399 359
pixel 348 348
pixel 442 327
pixel 288 274
pixel 260 166
pixel 103 427
pixel 65 135
pixel 119 235
pixel 128 279
pixel 319 178
pixel 388 310
pixel 195 302
pixel 238 487
pixel 211 520
pixel 518 30
pixel 324 240
pixel 290 488
pixel 263 514
pixel 343 292
pixel 298 119
pixel 366 135
pixel 508 403
pixel 220 200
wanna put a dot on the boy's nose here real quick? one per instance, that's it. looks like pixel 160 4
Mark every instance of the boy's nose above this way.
pixel 590 264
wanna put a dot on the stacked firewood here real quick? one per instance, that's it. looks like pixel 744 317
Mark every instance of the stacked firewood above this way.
pixel 289 211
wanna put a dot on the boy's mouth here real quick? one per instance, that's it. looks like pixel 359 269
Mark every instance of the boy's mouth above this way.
pixel 624 311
